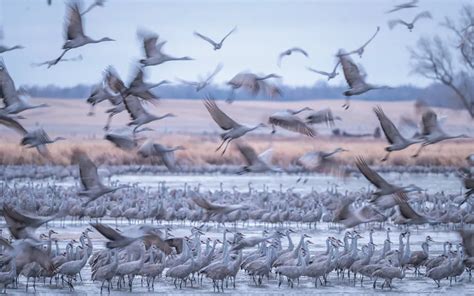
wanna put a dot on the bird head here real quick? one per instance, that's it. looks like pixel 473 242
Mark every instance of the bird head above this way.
pixel 107 39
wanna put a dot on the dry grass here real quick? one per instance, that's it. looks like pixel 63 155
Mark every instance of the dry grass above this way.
pixel 194 129
pixel 200 151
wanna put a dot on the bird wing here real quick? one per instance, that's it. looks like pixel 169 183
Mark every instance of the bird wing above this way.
pixel 138 79
pixel 74 21
pixel 155 240
pixel 317 71
pixel 248 153
pixel 391 132
pixel 217 70
pixel 205 38
pixel 7 87
pixel 424 14
pixel 393 23
pixel 107 231
pixel 149 45
pixel 122 142
pixel 371 38
pixel 310 160
pixel 205 204
pixel 405 209
pixel 429 123
pixel 176 243
pixel 292 123
pixel 300 50
pixel 266 156
pixel 467 236
pixel 228 34
pixel 113 85
pixel 134 107
pixel 88 172
pixel 12 214
pixel 39 256
pixel 12 123
pixel 370 174
pixel 148 96
pixel 352 73
pixel 222 119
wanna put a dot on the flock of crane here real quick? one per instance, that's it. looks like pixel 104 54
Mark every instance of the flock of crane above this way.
pixel 149 251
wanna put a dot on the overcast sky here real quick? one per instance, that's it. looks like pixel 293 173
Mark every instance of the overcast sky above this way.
pixel 265 28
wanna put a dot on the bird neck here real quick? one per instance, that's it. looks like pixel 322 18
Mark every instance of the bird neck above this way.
pixel 265 77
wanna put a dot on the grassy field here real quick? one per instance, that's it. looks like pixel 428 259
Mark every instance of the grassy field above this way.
pixel 194 129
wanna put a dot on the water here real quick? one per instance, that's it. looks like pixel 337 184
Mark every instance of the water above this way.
pixel 411 285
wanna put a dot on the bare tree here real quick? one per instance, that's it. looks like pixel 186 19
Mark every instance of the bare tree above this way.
pixel 433 58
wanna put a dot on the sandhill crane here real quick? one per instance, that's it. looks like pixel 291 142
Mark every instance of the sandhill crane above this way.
pixel 468 182
pixel 97 3
pixel 93 187
pixel 115 239
pixel 4 48
pixel 139 114
pixel 350 217
pixel 256 163
pixel 360 50
pixel 388 273
pixel 51 63
pixel 384 188
pixel 25 251
pixel 131 268
pixel 38 138
pixel 254 84
pixel 417 258
pixel 9 276
pixel 213 209
pixel 71 268
pixel 411 4
pixel 410 26
pixel 123 141
pixel 75 36
pixel 330 75
pixel 141 89
pixel 287 119
pixel 153 53
pixel 106 272
pixel 354 78
pixel 31 139
pixel 201 84
pixel 432 132
pixel 233 130
pixel 216 45
pixel 323 162
pixel 322 116
pixel 150 149
pixel 21 225
pixel 470 159
pixel 442 271
pixel 14 101
pixel 396 140
pixel 289 51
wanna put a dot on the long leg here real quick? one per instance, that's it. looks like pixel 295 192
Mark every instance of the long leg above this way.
pixel 419 150
pixel 109 120
pixel 222 143
pixel 386 156
pixel 347 103
pixel 59 58
pixel 227 145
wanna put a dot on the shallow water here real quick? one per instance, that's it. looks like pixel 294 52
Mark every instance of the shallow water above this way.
pixel 432 183
pixel 411 285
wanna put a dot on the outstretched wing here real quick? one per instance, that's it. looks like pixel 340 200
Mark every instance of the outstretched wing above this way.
pixel 12 123
pixel 205 38
pixel 248 153
pixel 228 34
pixel 352 73
pixel 393 23
pixel 370 174
pixel 391 132
pixel 107 231
pixel 424 14
pixel 88 172
pixel 222 119
pixel 74 21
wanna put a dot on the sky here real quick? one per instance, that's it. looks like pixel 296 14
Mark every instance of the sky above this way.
pixel 264 29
